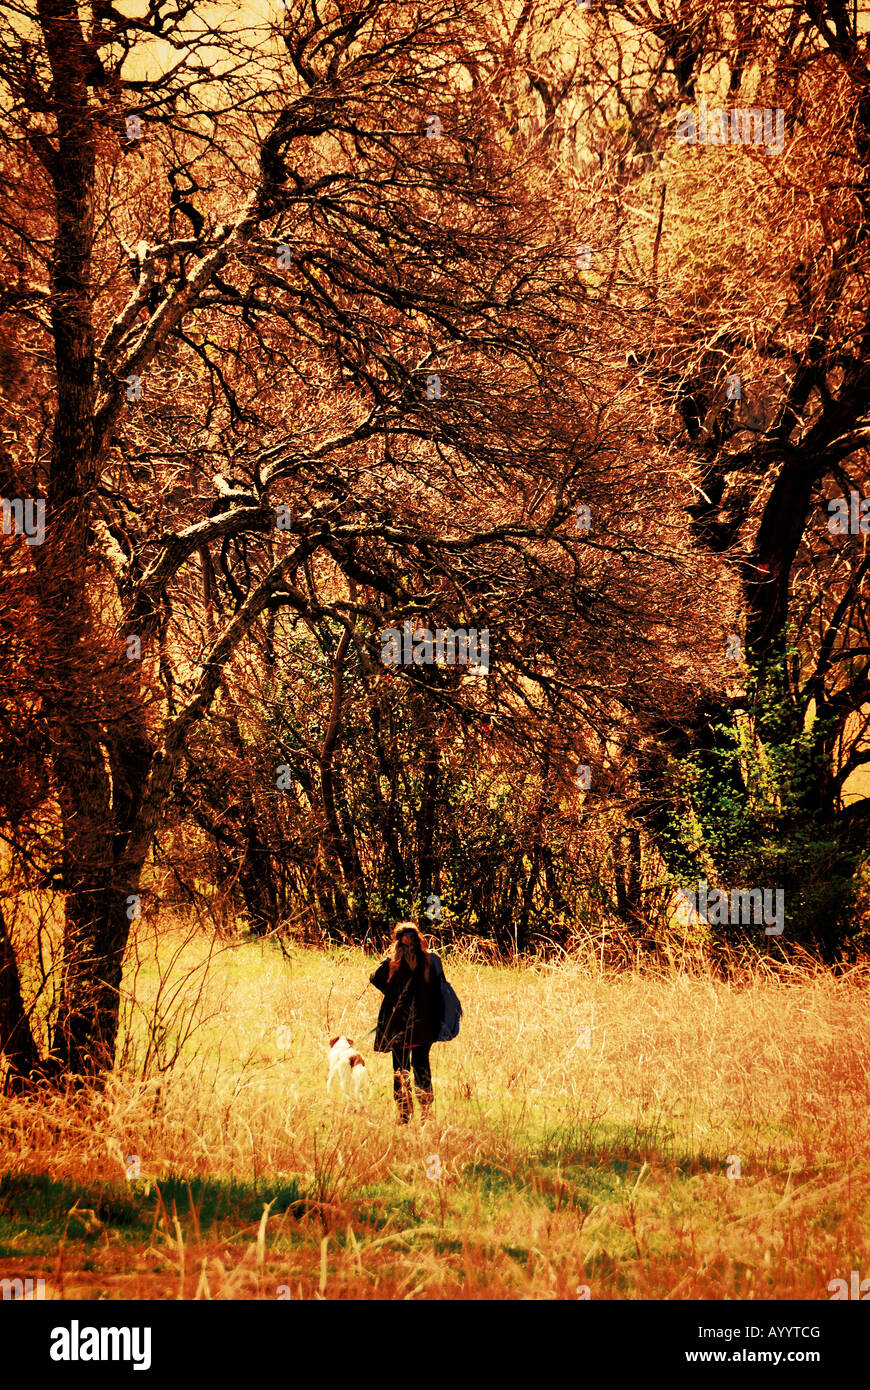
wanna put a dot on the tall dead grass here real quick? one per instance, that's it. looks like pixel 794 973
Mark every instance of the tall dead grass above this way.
pixel 585 1125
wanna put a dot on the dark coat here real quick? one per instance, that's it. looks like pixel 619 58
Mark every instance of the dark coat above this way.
pixel 410 1014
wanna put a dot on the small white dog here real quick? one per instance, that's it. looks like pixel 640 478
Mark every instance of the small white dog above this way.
pixel 349 1066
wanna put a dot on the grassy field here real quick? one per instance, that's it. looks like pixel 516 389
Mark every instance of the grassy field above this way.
pixel 583 1133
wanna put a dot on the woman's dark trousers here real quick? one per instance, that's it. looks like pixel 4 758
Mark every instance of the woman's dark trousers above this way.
pixel 404 1058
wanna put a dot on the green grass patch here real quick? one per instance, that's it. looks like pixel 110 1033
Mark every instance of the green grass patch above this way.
pixel 35 1210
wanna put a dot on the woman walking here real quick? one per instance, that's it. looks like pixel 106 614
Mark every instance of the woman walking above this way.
pixel 409 1018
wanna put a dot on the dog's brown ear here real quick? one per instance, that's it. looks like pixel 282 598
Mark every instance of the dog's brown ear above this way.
pixel 350 1040
pixel 332 1042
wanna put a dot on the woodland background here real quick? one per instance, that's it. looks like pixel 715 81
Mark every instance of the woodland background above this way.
pixel 235 254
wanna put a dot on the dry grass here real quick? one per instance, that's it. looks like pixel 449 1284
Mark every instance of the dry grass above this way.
pixel 561 1165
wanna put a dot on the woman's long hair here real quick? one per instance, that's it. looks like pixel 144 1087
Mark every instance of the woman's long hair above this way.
pixel 408 928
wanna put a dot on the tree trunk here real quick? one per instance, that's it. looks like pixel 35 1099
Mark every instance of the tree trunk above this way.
pixel 16 1037
pixel 339 853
